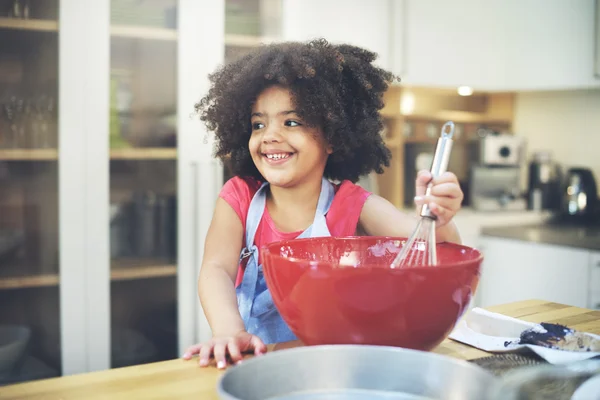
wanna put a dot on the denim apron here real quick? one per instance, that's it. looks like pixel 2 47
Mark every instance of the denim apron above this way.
pixel 255 303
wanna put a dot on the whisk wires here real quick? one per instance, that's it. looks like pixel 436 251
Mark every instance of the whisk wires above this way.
pixel 420 248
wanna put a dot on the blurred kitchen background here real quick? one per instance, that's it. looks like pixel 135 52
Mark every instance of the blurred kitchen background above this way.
pixel 107 181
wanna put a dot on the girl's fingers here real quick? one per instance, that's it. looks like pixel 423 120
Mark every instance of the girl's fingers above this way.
pixel 234 352
pixel 204 355
pixel 423 179
pixel 447 189
pixel 443 214
pixel 452 205
pixel 446 177
pixel 445 202
pixel 191 351
pixel 219 353
pixel 259 346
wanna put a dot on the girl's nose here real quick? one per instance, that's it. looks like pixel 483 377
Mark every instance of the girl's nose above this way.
pixel 272 135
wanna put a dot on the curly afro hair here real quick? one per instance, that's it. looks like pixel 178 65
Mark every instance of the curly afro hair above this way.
pixel 334 87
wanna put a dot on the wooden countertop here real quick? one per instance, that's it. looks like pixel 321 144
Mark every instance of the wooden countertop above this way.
pixel 186 380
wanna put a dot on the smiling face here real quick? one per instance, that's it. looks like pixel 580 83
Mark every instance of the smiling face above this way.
pixel 285 151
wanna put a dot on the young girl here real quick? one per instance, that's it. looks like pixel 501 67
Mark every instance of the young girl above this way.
pixel 292 117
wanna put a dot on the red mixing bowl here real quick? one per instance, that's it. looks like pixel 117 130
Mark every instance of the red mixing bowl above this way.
pixel 343 291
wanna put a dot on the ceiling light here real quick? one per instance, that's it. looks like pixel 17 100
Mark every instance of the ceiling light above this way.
pixel 465 90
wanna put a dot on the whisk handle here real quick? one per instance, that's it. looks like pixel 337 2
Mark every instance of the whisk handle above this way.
pixel 439 166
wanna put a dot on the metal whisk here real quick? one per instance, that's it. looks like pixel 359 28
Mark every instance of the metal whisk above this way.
pixel 420 248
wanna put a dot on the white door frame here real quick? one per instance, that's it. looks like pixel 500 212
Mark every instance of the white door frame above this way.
pixel 201 49
pixel 83 185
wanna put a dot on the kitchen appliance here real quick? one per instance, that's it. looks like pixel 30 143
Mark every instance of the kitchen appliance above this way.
pixel 345 291
pixel 579 195
pixel 495 177
pixel 420 248
pixel 501 150
pixel 355 373
pixel 496 189
pixel 543 191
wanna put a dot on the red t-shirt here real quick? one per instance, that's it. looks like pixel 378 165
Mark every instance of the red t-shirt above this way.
pixel 342 217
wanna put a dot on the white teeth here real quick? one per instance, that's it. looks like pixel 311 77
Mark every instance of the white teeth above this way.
pixel 277 156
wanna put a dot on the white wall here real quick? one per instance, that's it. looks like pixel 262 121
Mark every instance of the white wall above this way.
pixel 566 123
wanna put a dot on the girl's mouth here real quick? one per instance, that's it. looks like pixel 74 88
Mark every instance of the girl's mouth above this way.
pixel 277 158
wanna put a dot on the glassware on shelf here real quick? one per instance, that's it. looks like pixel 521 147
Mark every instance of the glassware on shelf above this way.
pixel 27 121
pixel 19 9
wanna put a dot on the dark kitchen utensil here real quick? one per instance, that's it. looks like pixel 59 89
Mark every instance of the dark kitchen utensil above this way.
pixel 579 195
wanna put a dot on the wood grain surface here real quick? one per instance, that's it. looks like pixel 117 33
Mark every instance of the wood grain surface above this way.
pixel 179 379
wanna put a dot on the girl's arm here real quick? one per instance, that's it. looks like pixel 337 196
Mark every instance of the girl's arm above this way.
pixel 380 218
pixel 217 292
pixel 219 269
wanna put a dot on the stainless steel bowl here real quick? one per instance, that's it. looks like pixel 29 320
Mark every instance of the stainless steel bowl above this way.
pixel 354 372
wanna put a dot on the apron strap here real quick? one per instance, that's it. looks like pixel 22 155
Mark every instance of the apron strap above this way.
pixel 247 289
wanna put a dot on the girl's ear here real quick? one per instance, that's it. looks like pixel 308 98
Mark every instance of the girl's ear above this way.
pixel 329 149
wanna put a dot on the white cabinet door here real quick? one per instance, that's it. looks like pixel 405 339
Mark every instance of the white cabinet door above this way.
pixel 359 22
pixel 594 300
pixel 453 43
pixel 499 45
pixel 549 44
pixel 517 270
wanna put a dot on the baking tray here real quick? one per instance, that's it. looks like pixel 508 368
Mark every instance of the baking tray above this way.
pixel 354 372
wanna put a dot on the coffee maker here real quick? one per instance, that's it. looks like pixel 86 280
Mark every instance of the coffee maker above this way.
pixel 544 188
pixel 579 200
pixel 495 176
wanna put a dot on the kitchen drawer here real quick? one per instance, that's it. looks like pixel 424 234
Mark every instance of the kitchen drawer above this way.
pixel 594 284
pixel 595 272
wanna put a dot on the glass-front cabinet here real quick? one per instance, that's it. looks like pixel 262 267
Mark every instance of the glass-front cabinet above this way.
pixel 107 180
pixel 143 181
pixel 30 331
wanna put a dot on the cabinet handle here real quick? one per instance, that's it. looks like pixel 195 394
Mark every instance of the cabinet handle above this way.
pixel 597 40
pixel 404 51
pixel 196 200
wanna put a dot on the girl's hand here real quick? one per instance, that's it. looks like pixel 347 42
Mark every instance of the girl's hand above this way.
pixel 221 346
pixel 446 195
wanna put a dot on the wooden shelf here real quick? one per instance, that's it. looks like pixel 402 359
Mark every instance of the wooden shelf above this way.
pixel 28 154
pixel 120 271
pixel 31 281
pixel 29 24
pixel 142 32
pixel 129 32
pixel 246 40
pixel 393 142
pixel 169 153
pixel 115 154
pixel 459 117
pixel 142 272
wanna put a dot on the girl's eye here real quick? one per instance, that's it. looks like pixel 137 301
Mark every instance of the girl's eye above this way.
pixel 257 125
pixel 292 123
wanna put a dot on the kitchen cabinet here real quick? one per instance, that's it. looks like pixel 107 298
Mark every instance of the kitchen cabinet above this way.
pixel 107 179
pixel 471 222
pixel 357 22
pixel 491 46
pixel 594 295
pixel 514 270
pixel 30 288
pixel 498 45
pixel 597 41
